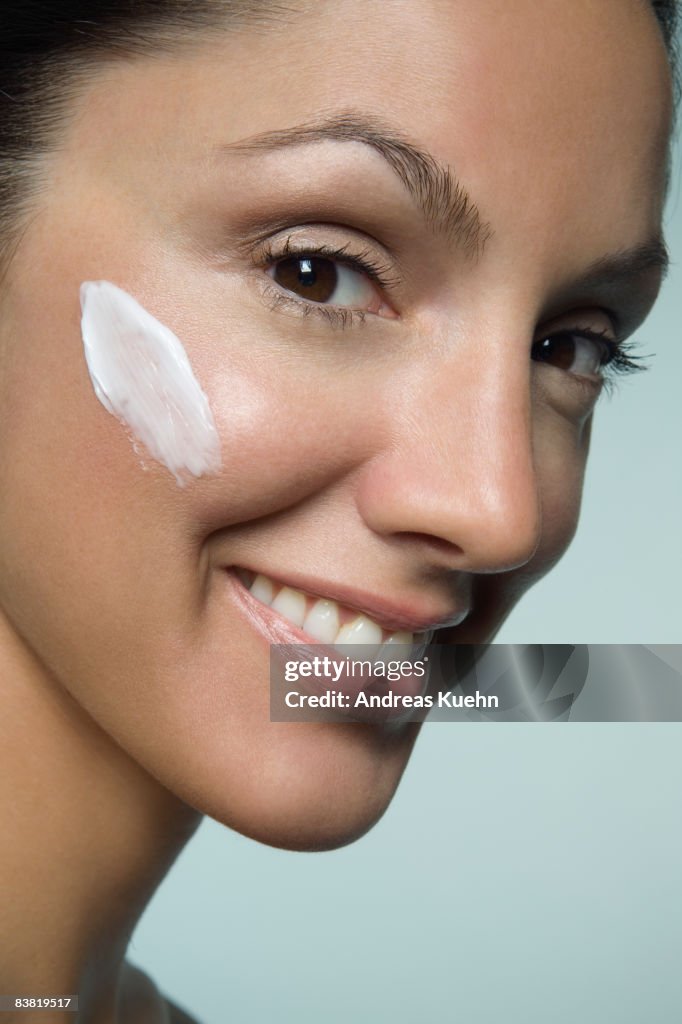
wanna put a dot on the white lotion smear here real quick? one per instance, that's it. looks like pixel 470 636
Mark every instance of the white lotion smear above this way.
pixel 141 375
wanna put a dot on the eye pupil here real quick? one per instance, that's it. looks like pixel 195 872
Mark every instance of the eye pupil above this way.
pixel 312 278
pixel 559 350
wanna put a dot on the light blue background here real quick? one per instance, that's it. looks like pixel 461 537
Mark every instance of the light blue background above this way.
pixel 524 873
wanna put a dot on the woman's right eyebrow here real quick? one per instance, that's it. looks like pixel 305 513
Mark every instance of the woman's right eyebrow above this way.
pixel 443 201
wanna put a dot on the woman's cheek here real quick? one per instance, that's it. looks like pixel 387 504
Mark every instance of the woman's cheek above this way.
pixel 561 447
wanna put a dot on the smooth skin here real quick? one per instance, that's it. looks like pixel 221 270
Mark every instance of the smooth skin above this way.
pixel 418 454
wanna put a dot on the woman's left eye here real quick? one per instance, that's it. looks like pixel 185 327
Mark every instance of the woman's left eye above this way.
pixel 324 280
pixel 580 352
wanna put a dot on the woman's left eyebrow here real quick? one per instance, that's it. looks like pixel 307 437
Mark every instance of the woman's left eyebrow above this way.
pixel 627 278
pixel 441 197
pixel 626 265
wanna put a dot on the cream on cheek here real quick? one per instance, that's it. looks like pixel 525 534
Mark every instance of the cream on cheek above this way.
pixel 142 375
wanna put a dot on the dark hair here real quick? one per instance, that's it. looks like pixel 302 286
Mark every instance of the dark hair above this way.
pixel 43 42
pixel 666 12
pixel 48 48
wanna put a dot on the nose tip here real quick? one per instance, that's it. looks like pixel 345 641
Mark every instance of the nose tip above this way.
pixel 458 528
pixel 463 485
pixel 501 530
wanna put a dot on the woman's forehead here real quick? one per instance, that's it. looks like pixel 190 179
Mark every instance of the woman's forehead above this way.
pixel 457 75
pixel 538 108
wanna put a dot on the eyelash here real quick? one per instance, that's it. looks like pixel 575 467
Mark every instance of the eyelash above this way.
pixel 622 355
pixel 338 316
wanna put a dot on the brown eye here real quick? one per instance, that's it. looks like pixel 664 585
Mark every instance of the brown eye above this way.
pixel 576 352
pixel 326 281
pixel 312 278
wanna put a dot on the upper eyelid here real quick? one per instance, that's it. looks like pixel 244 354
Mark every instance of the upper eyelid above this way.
pixel 385 271
pixel 348 259
pixel 580 320
pixel 591 333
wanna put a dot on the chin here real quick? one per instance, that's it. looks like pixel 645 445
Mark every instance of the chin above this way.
pixel 316 787
pixel 314 823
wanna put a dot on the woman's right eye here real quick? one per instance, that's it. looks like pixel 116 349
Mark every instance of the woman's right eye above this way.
pixel 329 282
pixel 335 281
pixel 322 280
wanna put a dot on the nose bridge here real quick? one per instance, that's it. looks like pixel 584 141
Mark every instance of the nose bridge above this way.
pixel 460 465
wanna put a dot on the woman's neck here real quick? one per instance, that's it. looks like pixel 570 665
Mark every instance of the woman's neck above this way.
pixel 87 835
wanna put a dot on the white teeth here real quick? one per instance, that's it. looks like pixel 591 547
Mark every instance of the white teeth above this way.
pixel 322 621
pixel 399 638
pixel 291 604
pixel 410 646
pixel 387 650
pixel 263 589
pixel 361 631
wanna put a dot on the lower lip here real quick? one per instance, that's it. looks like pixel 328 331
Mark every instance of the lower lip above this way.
pixel 276 630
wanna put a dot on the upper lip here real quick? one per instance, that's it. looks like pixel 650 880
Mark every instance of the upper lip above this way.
pixel 413 616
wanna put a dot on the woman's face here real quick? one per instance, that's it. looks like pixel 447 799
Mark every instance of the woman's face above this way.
pixel 416 459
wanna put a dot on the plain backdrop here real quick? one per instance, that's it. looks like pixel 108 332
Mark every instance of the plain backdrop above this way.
pixel 523 873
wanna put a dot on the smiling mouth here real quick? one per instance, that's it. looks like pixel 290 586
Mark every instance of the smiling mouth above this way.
pixel 328 621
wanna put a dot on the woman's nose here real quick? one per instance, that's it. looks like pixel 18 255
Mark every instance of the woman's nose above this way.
pixel 458 469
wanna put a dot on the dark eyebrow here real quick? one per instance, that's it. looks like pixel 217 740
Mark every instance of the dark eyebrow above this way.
pixel 625 281
pixel 444 203
pixel 626 266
